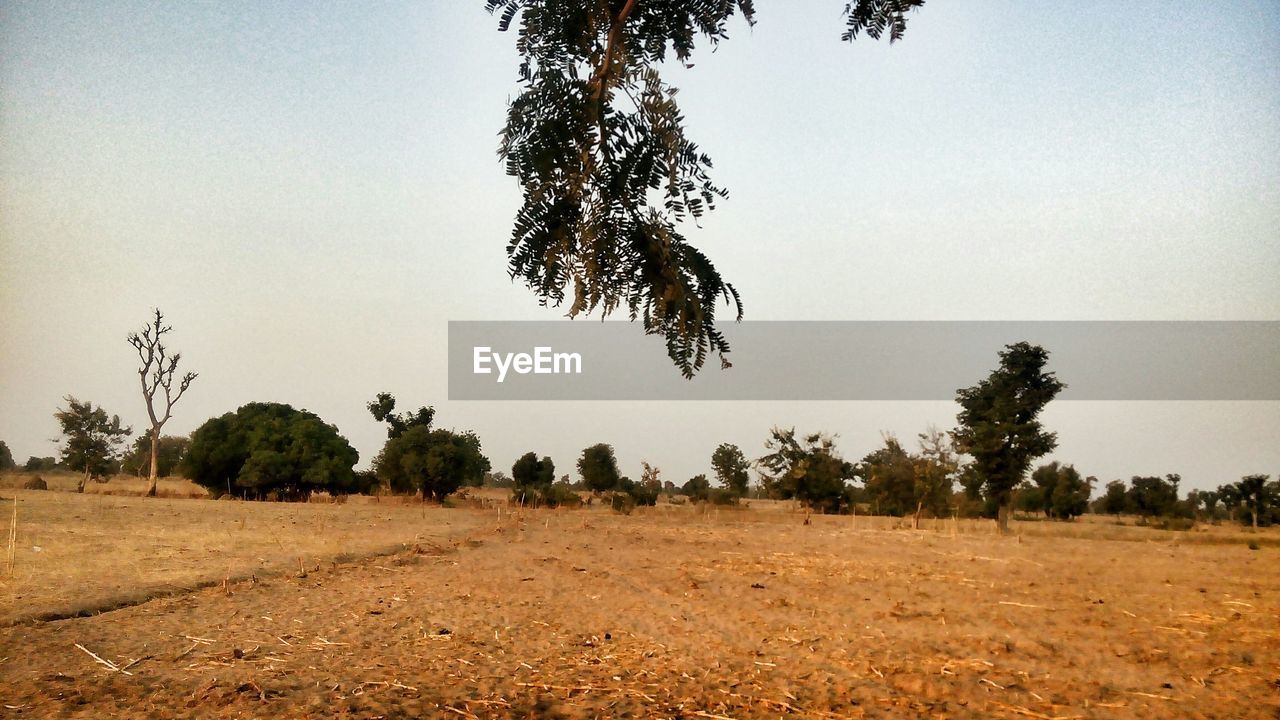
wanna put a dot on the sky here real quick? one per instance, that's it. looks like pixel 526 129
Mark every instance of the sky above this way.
pixel 311 191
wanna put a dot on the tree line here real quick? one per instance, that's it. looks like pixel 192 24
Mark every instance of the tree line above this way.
pixel 272 450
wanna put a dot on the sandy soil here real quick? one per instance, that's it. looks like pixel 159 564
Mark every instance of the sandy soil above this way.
pixel 678 615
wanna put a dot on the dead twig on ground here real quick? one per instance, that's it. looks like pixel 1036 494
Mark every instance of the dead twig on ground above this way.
pixel 101 661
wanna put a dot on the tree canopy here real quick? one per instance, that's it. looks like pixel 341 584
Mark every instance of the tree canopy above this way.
pixel 597 142
pixel 91 439
pixel 999 425
pixel 807 468
pixel 1059 491
pixel 6 457
pixel 533 479
pixel 433 462
pixel 599 468
pixel 264 448
pixel 417 458
pixel 731 468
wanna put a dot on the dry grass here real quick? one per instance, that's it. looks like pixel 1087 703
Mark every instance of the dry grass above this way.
pixel 673 611
pixel 78 553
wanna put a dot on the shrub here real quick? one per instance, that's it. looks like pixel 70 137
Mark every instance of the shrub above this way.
pixel 721 496
pixel 35 483
pixel 622 503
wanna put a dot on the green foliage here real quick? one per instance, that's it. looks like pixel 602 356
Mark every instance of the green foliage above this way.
pixel 1259 499
pixel 722 496
pixel 1060 492
pixel 997 420
pixel 1154 496
pixel 1115 501
pixel 807 469
pixel 6 457
pixel 533 481
pixel 40 464
pixel 266 448
pixel 899 482
pixel 597 142
pixel 91 440
pixel 170 451
pixel 383 410
pixel 622 502
pixel 599 468
pixel 433 462
pixel 696 488
pixel 731 468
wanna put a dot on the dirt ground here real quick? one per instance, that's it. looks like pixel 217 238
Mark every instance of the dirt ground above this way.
pixel 682 614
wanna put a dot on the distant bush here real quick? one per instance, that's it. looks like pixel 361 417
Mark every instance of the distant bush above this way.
pixel 721 496
pixel 35 483
pixel 622 502
pixel 1174 523
pixel 263 448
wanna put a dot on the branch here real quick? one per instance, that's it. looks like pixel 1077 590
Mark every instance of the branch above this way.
pixel 615 36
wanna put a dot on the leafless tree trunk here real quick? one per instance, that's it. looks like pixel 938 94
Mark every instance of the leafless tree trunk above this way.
pixel 1002 517
pixel 156 374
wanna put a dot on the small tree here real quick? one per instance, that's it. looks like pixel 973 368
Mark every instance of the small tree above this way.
pixel 156 374
pixel 533 479
pixel 432 462
pixel 698 488
pixel 1154 496
pixel 731 468
pixel 92 440
pixel 271 449
pixel 1060 492
pixel 599 468
pixel 138 460
pixel 1254 496
pixel 999 426
pixel 808 469
pixel 382 408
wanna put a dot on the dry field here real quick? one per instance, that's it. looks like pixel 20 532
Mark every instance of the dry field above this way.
pixel 674 612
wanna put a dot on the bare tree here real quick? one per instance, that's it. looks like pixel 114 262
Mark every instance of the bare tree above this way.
pixel 156 374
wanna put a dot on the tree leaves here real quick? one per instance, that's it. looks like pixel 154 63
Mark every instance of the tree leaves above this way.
pixel 596 140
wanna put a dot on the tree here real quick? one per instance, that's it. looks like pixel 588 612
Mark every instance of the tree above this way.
pixel 40 464
pixel 936 470
pixel 533 478
pixel 731 468
pixel 171 450
pixel 434 463
pixel 599 468
pixel 156 373
pixel 597 142
pixel 1060 491
pixel 899 482
pixel 418 459
pixel 697 488
pixel 1154 496
pixel 265 449
pixel 6 457
pixel 998 426
pixel 382 408
pixel 1255 496
pixel 91 439
pixel 808 469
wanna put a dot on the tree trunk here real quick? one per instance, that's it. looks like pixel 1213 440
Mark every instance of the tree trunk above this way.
pixel 1255 518
pixel 155 461
pixel 84 479
pixel 915 519
pixel 1002 518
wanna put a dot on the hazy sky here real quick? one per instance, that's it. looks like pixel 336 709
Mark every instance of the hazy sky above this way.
pixel 311 191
